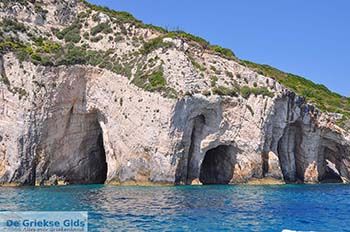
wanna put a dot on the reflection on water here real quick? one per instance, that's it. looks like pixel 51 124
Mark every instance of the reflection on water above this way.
pixel 193 208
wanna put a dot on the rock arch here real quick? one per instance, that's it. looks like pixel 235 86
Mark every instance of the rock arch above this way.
pixel 310 155
pixel 289 152
pixel 194 149
pixel 330 170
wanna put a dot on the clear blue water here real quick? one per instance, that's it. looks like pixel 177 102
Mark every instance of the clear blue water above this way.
pixel 193 208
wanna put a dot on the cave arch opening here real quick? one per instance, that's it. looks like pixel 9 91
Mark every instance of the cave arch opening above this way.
pixel 96 165
pixel 93 165
pixel 198 124
pixel 75 152
pixel 331 173
pixel 218 165
pixel 290 154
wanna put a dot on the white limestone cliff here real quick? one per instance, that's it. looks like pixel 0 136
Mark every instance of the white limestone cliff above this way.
pixel 85 124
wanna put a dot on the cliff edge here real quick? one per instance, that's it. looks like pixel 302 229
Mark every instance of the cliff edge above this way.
pixel 90 95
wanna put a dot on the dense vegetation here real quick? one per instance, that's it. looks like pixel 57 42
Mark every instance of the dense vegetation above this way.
pixel 70 33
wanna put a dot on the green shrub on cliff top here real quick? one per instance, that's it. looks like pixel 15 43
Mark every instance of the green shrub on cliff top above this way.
pixel 9 25
pixel 154 44
pixel 320 95
pixel 154 81
pixel 246 91
pixel 70 33
pixel 225 91
pixel 103 27
pixel 223 51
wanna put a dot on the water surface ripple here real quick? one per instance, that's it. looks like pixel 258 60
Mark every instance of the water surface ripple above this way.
pixel 193 208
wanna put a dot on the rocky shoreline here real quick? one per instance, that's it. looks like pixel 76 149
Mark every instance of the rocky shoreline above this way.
pixel 181 114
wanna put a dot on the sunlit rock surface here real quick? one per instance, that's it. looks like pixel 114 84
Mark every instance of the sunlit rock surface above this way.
pixel 84 124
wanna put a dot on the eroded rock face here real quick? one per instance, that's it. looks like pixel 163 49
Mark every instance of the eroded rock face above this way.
pixel 273 166
pixel 306 141
pixel 84 124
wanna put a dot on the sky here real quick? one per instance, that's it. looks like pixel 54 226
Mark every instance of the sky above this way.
pixel 308 38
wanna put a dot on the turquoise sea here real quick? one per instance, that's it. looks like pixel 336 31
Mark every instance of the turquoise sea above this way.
pixel 193 208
